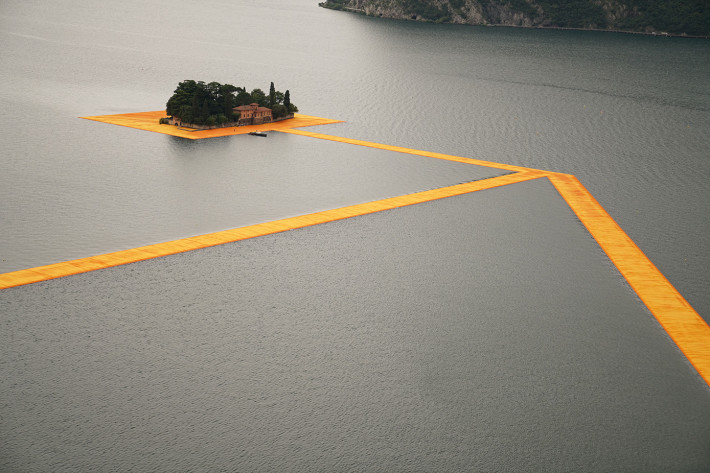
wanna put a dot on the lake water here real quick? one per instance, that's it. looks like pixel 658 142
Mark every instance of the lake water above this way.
pixel 349 346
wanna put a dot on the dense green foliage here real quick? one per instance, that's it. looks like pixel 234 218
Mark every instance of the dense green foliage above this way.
pixel 426 9
pixel 691 17
pixel 573 13
pixel 334 4
pixel 212 104
pixel 673 16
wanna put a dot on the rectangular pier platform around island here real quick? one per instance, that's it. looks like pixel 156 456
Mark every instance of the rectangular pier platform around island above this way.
pixel 149 121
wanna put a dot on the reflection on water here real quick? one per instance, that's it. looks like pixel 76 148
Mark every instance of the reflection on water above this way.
pixel 185 147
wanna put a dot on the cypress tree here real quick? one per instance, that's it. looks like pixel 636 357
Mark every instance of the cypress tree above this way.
pixel 272 96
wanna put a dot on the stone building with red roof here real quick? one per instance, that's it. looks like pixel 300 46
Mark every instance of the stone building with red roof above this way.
pixel 253 114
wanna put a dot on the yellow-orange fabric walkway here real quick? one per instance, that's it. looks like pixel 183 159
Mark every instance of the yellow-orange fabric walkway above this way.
pixel 687 329
pixel 149 121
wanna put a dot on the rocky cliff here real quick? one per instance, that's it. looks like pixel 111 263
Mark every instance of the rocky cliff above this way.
pixel 676 17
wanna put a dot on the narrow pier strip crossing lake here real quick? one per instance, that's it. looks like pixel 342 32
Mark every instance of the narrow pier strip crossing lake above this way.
pixel 687 329
pixel 56 270
pixel 354 302
pixel 683 324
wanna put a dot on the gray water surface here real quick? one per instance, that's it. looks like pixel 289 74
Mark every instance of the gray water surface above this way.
pixel 485 332
pixel 628 115
pixel 191 187
pixel 465 334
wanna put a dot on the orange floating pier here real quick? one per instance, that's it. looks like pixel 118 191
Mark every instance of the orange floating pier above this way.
pixel 685 327
pixel 399 149
pixel 42 273
pixel 149 121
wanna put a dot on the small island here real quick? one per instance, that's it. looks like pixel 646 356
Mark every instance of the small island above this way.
pixel 195 104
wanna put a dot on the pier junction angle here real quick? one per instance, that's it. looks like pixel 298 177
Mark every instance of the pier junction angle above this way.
pixel 682 323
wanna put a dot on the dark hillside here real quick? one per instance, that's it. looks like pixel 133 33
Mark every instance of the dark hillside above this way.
pixel 676 17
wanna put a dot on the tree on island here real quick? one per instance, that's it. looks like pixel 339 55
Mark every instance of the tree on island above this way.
pixel 272 96
pixel 213 104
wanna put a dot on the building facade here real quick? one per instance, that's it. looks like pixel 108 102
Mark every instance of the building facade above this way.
pixel 253 114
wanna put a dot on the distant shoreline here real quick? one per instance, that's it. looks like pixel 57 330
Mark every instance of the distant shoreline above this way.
pixel 599 30
pixel 662 34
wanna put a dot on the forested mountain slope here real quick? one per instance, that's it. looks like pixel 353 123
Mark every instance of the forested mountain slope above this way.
pixel 677 17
